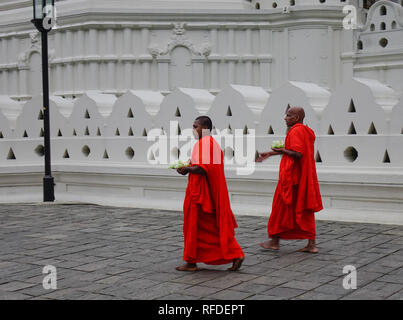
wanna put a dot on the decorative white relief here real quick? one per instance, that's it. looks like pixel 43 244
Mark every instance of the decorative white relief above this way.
pixel 178 38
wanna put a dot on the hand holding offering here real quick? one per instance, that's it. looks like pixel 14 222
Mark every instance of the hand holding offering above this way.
pixel 179 164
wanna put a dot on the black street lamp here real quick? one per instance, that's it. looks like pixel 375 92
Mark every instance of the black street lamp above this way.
pixel 44 16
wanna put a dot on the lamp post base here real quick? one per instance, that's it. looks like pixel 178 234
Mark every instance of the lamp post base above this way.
pixel 48 189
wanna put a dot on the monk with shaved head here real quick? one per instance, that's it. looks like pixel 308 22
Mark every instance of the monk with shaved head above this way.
pixel 297 196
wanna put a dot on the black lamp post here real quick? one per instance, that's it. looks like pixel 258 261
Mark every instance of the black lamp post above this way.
pixel 43 21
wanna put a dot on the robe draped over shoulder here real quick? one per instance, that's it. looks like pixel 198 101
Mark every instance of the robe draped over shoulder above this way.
pixel 209 222
pixel 297 195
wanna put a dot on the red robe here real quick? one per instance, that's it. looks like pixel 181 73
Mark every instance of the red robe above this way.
pixel 208 221
pixel 297 196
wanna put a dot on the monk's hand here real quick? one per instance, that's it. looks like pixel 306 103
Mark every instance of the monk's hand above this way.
pixel 263 156
pixel 183 170
pixel 279 150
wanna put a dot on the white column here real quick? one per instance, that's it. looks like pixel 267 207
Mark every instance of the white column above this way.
pixel 127 58
pixel 59 86
pixel 69 78
pixel 231 50
pixel 213 62
pixel 163 74
pixel 14 71
pixel 145 57
pixel 92 79
pixel 330 61
pixel 198 73
pixel 110 44
pixel 4 82
pixel 80 53
pixel 286 61
pixel 58 72
pixel 248 63
pixel 265 58
pixel 2 71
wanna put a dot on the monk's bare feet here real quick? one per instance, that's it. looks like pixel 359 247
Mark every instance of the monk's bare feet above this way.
pixel 310 247
pixel 273 244
pixel 187 267
pixel 236 264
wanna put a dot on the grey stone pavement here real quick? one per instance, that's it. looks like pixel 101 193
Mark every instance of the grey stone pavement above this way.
pixel 106 253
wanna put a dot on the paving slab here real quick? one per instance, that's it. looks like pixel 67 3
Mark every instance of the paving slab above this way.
pixel 107 253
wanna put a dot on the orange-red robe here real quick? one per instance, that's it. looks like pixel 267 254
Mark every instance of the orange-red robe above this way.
pixel 297 196
pixel 208 221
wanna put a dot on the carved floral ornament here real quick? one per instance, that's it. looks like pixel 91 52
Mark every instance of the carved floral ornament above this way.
pixel 178 38
pixel 23 58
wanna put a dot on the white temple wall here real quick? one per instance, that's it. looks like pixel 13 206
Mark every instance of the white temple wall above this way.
pixel 110 160
pixel 120 73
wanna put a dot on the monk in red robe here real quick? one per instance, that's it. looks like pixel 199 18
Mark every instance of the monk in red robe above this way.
pixel 297 196
pixel 208 221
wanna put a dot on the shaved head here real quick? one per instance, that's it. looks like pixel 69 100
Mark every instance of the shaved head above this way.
pixel 299 112
pixel 294 115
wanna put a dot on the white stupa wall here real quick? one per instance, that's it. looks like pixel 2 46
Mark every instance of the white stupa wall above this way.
pixel 240 45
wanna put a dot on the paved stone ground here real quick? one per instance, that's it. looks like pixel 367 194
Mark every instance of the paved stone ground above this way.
pixel 123 253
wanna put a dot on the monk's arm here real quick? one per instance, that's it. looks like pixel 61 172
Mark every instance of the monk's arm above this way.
pixel 291 153
pixel 194 169
pixel 265 155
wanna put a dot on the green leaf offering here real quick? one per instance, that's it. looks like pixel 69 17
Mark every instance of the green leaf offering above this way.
pixel 179 164
pixel 277 144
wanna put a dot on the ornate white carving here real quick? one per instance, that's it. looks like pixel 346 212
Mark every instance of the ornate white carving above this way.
pixel 179 38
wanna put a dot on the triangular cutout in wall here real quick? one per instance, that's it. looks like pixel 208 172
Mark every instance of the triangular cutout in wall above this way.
pixel 330 130
pixel 74 132
pixel 98 132
pixel 41 133
pixel 25 135
pixel 351 107
pixel 144 133
pixel 1 135
pixel 130 113
pixel 372 129
pixel 229 112
pixel 87 132
pixel 87 115
pixel 386 158
pixel 59 133
pixel 352 130
pixel 318 158
pixel 11 155
pixel 177 112
pixel 40 115
pixel 270 131
pixel 130 134
pixel 117 132
pixel 66 154
pixel 106 156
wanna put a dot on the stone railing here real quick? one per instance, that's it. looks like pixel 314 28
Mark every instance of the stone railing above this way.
pixel 100 142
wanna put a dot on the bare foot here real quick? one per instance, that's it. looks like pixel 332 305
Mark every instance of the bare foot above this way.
pixel 309 249
pixel 237 263
pixel 188 267
pixel 272 244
